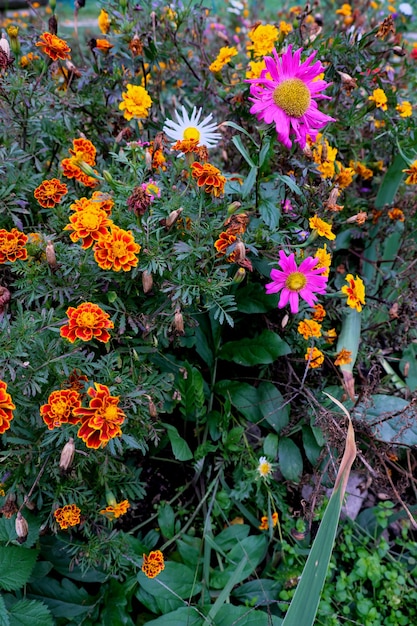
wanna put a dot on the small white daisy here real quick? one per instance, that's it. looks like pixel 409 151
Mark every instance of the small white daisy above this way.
pixel 187 127
pixel 406 9
pixel 264 467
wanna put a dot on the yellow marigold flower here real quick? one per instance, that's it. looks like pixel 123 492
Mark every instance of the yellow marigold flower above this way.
pixel 6 408
pixel 345 10
pixel 12 31
pixel 315 357
pixel 379 98
pixel 89 225
pixel 68 515
pixel 255 69
pixel 27 59
pixel 319 313
pixel 115 511
pixel 117 251
pixel 153 563
pixel 263 38
pixel 265 521
pixel 285 28
pixel 87 321
pixel 223 58
pixel 324 229
pixel 103 45
pixel 355 292
pixel 396 215
pixel 344 357
pixel 54 47
pixel 12 245
pixel 309 328
pixel 264 468
pixel 361 169
pixel 405 109
pixel 326 169
pixel 344 177
pixel 412 174
pixel 330 335
pixel 325 259
pixel 136 102
pixel 103 21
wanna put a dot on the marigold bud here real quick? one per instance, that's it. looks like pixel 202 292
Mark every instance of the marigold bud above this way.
pixel 53 24
pixel 67 455
pixel 240 275
pixel 179 322
pixel 21 527
pixel 50 255
pixel 233 207
pixel 172 217
pixel 87 169
pixel 152 408
pixel 108 177
pixel 4 45
pixel 147 281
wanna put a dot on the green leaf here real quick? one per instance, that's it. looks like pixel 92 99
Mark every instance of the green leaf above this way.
pixel 230 535
pixel 246 616
pixel 270 446
pixel 241 130
pixel 269 213
pixel 391 182
pixel 190 550
pixel 187 616
pixel 408 366
pixel 249 182
pixel 16 565
pixel 176 581
pixel 166 521
pixel 252 298
pixel 180 447
pixel 30 613
pixel 287 180
pixel 290 460
pixel 391 419
pixel 239 145
pixel 4 615
pixel 247 553
pixel 349 337
pixel 311 447
pixel 263 349
pixel 257 404
pixel 262 591
pixel 63 598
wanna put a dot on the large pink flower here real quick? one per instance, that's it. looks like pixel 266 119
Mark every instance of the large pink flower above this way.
pixel 296 281
pixel 286 94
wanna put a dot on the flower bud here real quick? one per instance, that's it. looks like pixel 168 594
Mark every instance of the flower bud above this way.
pixel 53 24
pixel 110 498
pixel 399 51
pixel 4 45
pixel 233 207
pixel 179 322
pixel 152 408
pixel 240 275
pixel 21 527
pixel 52 4
pixel 87 169
pixel 50 255
pixel 108 177
pixel 172 217
pixel 67 455
pixel 147 281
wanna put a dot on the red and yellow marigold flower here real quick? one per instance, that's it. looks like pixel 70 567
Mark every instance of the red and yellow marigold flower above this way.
pixel 82 151
pixel 209 176
pixel 54 47
pixel 59 408
pixel 314 357
pixel 225 240
pixel 117 251
pixel 153 563
pixel 86 322
pixel 68 515
pixel 114 511
pixel 12 245
pixel 396 215
pixel 412 174
pixel 355 292
pixel 50 192
pixel 101 421
pixel 265 521
pixel 6 408
pixel 88 224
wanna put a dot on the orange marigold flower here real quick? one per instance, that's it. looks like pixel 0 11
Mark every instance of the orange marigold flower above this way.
pixel 343 357
pixel 89 225
pixel 104 201
pixel 345 176
pixel 225 240
pixel 103 45
pixel 54 47
pixel 355 292
pixel 319 313
pixel 208 175
pixel 6 408
pixel 315 357
pixel 102 420
pixel 265 522
pixel 50 192
pixel 309 328
pixel 113 512
pixel 324 229
pixel 412 174
pixel 70 170
pixel 59 409
pixel 68 515
pixel 396 215
pixel 330 335
pixel 153 563
pixel 12 245
pixel 86 322
pixel 82 150
pixel 158 160
pixel 117 251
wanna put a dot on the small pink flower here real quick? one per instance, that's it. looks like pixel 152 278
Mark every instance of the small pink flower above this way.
pixel 296 281
pixel 286 94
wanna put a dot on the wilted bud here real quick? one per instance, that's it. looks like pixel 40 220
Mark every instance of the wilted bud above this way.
pixel 67 455
pixel 147 281
pixel 348 82
pixel 21 527
pixel 53 25
pixel 72 69
pixel 359 218
pixel 50 255
pixel 172 217
pixel 284 320
pixel 239 252
pixel 307 151
pixel 179 322
pixel 399 51
pixel 148 159
pixel 240 275
pixel 9 508
pixel 4 45
pixel 152 408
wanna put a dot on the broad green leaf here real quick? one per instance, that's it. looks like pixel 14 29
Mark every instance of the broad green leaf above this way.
pixel 30 613
pixel 311 447
pixel 248 553
pixel 290 460
pixel 230 535
pixel 269 213
pixel 408 366
pixel 252 298
pixel 246 616
pixel 263 349
pixel 63 598
pixel 55 551
pixel 287 180
pixel 166 521
pixel 189 549
pixel 390 418
pixel 391 182
pixel 8 530
pixel 4 615
pixel 241 130
pixel 262 591
pixel 16 565
pixel 184 616
pixel 180 447
pixel 270 446
pixel 175 580
pixel 115 609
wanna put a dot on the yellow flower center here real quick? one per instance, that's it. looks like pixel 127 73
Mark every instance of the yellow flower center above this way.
pixel 296 281
pixel 60 407
pixel 87 319
pixel 292 96
pixel 9 245
pixel 89 220
pixel 110 413
pixel 191 133
pixel 118 248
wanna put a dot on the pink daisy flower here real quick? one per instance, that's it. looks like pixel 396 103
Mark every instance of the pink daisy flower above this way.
pixel 296 281
pixel 286 94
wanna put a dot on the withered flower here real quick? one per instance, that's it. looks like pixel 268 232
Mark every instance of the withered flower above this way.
pixel 386 27
pixel 9 508
pixel 21 527
pixel 139 201
pixel 67 456
pixel 147 281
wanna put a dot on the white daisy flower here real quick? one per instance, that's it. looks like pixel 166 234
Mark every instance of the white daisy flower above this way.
pixel 190 127
pixel 264 467
pixel 406 9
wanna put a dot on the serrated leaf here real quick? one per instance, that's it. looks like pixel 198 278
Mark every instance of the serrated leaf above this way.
pixel 188 616
pixel 30 613
pixel 269 213
pixel 16 565
pixel 63 598
pixel 263 349
pixel 4 615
